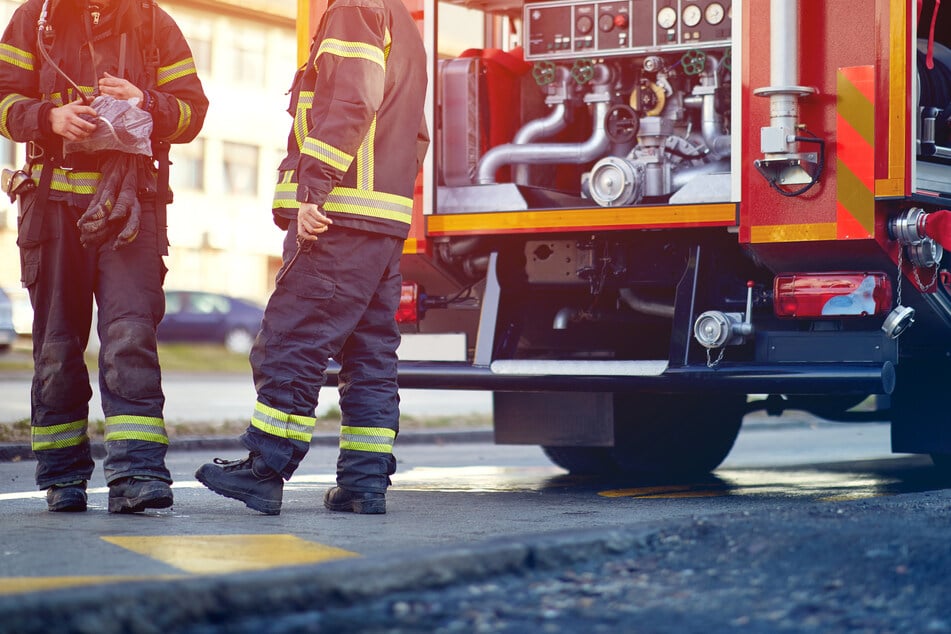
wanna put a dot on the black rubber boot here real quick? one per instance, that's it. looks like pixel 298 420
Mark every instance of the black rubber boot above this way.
pixel 135 494
pixel 69 497
pixel 248 480
pixel 363 502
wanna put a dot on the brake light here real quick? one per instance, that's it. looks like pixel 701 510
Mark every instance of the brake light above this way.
pixel 805 295
pixel 408 311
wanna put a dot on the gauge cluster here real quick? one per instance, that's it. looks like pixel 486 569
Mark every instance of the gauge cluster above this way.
pixel 582 28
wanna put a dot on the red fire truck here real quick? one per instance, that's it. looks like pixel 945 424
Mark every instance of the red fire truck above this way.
pixel 645 218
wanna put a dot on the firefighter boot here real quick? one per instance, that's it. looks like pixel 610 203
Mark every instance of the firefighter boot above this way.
pixel 248 480
pixel 135 494
pixel 363 502
pixel 67 497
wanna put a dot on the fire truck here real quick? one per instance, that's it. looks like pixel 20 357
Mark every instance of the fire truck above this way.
pixel 642 219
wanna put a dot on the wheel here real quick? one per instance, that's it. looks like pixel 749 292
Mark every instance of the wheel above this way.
pixel 919 411
pixel 239 341
pixel 661 435
pixel 942 464
pixel 582 460
pixel 674 435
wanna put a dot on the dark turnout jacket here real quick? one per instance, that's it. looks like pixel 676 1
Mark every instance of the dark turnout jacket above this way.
pixel 133 39
pixel 359 133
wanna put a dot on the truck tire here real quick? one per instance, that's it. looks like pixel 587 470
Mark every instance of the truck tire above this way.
pixel 919 412
pixel 661 435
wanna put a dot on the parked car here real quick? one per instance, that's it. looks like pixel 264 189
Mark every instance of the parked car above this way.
pixel 7 333
pixel 197 316
pixel 22 310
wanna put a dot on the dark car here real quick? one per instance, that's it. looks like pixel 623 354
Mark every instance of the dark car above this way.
pixel 7 333
pixel 201 317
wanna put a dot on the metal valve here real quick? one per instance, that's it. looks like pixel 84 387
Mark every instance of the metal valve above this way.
pixel 716 329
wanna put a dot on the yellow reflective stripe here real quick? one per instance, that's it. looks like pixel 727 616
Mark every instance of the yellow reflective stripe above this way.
pixel 59 436
pixel 338 159
pixel 305 102
pixel 179 69
pixel 358 50
pixel 69 180
pixel 16 57
pixel 387 43
pixel 5 106
pixel 365 175
pixel 375 439
pixel 184 119
pixel 277 423
pixel 366 203
pixel 59 99
pixel 130 427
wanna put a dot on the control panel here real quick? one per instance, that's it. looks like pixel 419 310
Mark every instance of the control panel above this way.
pixel 582 28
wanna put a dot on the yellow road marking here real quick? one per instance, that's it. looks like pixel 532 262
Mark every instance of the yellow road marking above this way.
pixel 218 554
pixel 19 585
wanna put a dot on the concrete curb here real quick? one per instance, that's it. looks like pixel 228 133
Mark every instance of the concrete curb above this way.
pixel 158 606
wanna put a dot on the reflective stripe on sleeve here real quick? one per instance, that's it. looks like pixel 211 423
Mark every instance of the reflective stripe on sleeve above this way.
pixel 338 159
pixel 17 57
pixel 285 192
pixel 59 436
pixel 365 158
pixel 184 119
pixel 181 68
pixel 129 427
pixel 277 423
pixel 359 50
pixel 305 101
pixel 375 439
pixel 5 106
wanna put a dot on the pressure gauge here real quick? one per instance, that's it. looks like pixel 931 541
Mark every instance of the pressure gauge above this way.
pixel 692 15
pixel 666 18
pixel 714 13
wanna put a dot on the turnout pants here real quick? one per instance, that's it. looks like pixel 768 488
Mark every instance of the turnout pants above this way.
pixel 62 278
pixel 337 300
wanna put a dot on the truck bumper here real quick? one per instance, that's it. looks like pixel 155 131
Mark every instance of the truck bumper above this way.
pixel 645 376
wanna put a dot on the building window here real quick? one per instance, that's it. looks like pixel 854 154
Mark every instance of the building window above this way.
pixel 197 32
pixel 188 166
pixel 240 168
pixel 8 152
pixel 248 56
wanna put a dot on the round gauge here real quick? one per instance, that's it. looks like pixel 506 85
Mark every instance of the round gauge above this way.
pixel 666 18
pixel 692 15
pixel 714 13
pixel 606 22
pixel 584 24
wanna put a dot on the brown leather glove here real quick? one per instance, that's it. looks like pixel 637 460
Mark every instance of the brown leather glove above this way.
pixel 114 209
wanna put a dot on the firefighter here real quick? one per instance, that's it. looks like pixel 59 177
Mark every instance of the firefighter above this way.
pixel 75 243
pixel 353 153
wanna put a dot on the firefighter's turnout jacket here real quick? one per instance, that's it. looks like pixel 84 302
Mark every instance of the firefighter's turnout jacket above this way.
pixel 356 144
pixel 135 40
pixel 355 148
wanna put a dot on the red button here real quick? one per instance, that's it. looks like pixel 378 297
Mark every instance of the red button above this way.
pixel 620 21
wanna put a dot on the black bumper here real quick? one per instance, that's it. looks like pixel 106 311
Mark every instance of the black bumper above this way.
pixel 785 378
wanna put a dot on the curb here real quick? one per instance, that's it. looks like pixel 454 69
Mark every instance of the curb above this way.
pixel 157 606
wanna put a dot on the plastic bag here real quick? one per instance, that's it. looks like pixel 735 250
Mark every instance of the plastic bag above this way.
pixel 121 126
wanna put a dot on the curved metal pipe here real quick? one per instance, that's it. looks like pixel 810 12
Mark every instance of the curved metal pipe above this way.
pixel 546 153
pixel 546 127
pixel 640 305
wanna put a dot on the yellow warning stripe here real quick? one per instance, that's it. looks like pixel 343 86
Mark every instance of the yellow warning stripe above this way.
pixel 720 215
pixel 855 151
pixel 793 233
pixel 897 96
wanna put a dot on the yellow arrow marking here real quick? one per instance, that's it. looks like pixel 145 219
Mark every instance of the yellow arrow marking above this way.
pixel 218 554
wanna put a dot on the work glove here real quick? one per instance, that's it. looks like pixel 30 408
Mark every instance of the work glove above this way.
pixel 114 209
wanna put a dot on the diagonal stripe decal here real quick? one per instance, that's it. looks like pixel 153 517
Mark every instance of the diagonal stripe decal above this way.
pixel 855 150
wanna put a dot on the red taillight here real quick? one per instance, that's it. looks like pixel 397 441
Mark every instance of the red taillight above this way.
pixel 817 295
pixel 408 311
